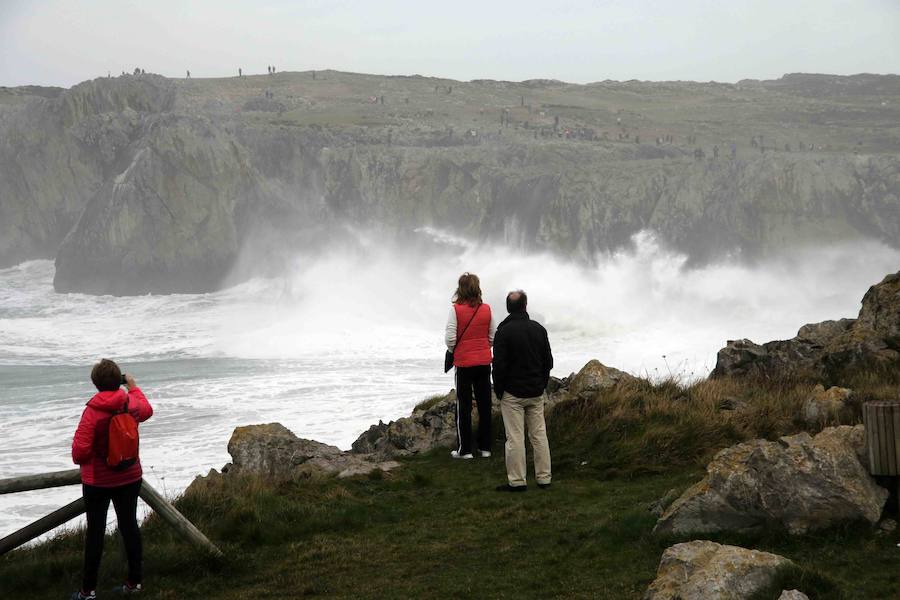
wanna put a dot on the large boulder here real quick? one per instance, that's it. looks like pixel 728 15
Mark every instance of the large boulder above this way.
pixel 703 570
pixel 828 349
pixel 824 406
pixel 595 376
pixel 274 452
pixel 799 483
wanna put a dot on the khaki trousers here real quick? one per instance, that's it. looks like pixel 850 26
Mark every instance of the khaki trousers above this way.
pixel 519 413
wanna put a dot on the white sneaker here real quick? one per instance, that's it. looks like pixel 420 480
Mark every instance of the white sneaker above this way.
pixel 485 453
pixel 456 454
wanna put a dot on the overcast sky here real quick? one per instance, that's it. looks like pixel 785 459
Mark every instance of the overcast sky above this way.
pixel 62 42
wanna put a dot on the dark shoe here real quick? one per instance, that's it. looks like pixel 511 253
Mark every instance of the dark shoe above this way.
pixel 511 488
pixel 544 486
pixel 80 596
pixel 125 588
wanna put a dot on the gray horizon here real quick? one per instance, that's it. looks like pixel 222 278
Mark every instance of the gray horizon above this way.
pixel 62 43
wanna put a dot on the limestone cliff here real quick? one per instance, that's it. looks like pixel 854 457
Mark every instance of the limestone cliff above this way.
pixel 144 184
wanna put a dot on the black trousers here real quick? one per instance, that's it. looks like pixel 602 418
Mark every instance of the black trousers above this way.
pixel 124 499
pixel 469 380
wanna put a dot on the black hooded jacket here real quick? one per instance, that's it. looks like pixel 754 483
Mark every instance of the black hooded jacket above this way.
pixel 522 358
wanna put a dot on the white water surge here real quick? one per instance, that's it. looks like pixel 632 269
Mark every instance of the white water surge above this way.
pixel 352 336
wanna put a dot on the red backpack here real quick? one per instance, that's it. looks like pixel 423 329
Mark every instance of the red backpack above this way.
pixel 123 440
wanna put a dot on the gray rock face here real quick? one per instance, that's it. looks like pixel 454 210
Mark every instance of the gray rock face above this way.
pixel 827 349
pixel 274 452
pixel 428 427
pixel 159 185
pixel 704 570
pixel 167 223
pixel 800 483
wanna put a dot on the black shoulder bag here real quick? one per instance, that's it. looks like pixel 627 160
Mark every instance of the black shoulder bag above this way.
pixel 448 356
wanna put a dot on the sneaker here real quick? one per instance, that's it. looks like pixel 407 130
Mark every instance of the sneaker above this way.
pixel 511 488
pixel 485 453
pixel 456 454
pixel 79 595
pixel 543 486
pixel 125 588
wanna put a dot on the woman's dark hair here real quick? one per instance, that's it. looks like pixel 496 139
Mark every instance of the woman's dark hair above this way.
pixel 106 376
pixel 468 290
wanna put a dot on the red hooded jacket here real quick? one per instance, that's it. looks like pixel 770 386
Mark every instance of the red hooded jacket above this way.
pixel 91 443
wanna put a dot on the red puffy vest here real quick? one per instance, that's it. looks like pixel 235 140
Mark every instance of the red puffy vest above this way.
pixel 473 349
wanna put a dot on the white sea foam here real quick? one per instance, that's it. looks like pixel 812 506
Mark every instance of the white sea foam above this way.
pixel 353 335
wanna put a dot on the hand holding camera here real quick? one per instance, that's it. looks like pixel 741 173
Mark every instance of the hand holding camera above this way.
pixel 128 381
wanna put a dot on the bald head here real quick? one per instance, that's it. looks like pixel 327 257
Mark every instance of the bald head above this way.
pixel 516 301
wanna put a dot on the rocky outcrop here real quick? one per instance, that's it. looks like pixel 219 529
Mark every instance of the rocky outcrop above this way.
pixel 432 424
pixel 800 483
pixel 829 349
pixel 274 452
pixel 702 570
pixel 159 185
pixel 596 376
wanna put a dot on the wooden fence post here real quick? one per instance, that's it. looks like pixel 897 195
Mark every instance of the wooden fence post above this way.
pixel 42 526
pixel 174 518
pixel 882 422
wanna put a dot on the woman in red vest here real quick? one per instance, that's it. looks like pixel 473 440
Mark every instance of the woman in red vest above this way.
pixel 469 335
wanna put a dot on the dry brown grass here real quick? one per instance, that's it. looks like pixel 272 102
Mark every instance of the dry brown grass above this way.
pixel 645 427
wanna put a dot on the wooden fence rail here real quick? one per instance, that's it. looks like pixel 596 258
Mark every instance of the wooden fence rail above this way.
pixel 154 499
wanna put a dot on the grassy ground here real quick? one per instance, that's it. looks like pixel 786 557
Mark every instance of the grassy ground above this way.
pixel 437 529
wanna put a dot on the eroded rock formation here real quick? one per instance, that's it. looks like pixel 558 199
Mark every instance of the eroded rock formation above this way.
pixel 799 483
pixel 274 452
pixel 828 349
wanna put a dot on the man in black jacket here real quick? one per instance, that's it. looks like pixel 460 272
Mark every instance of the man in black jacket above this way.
pixel 522 364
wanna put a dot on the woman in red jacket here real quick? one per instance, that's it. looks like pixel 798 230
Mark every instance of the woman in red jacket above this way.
pixel 469 335
pixel 101 483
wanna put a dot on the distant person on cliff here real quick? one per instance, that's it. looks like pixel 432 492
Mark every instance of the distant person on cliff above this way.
pixel 522 364
pixel 102 482
pixel 469 335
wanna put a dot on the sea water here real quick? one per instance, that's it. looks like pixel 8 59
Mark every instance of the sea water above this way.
pixel 346 338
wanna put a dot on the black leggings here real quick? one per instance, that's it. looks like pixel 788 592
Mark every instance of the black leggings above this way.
pixel 479 380
pixel 96 501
